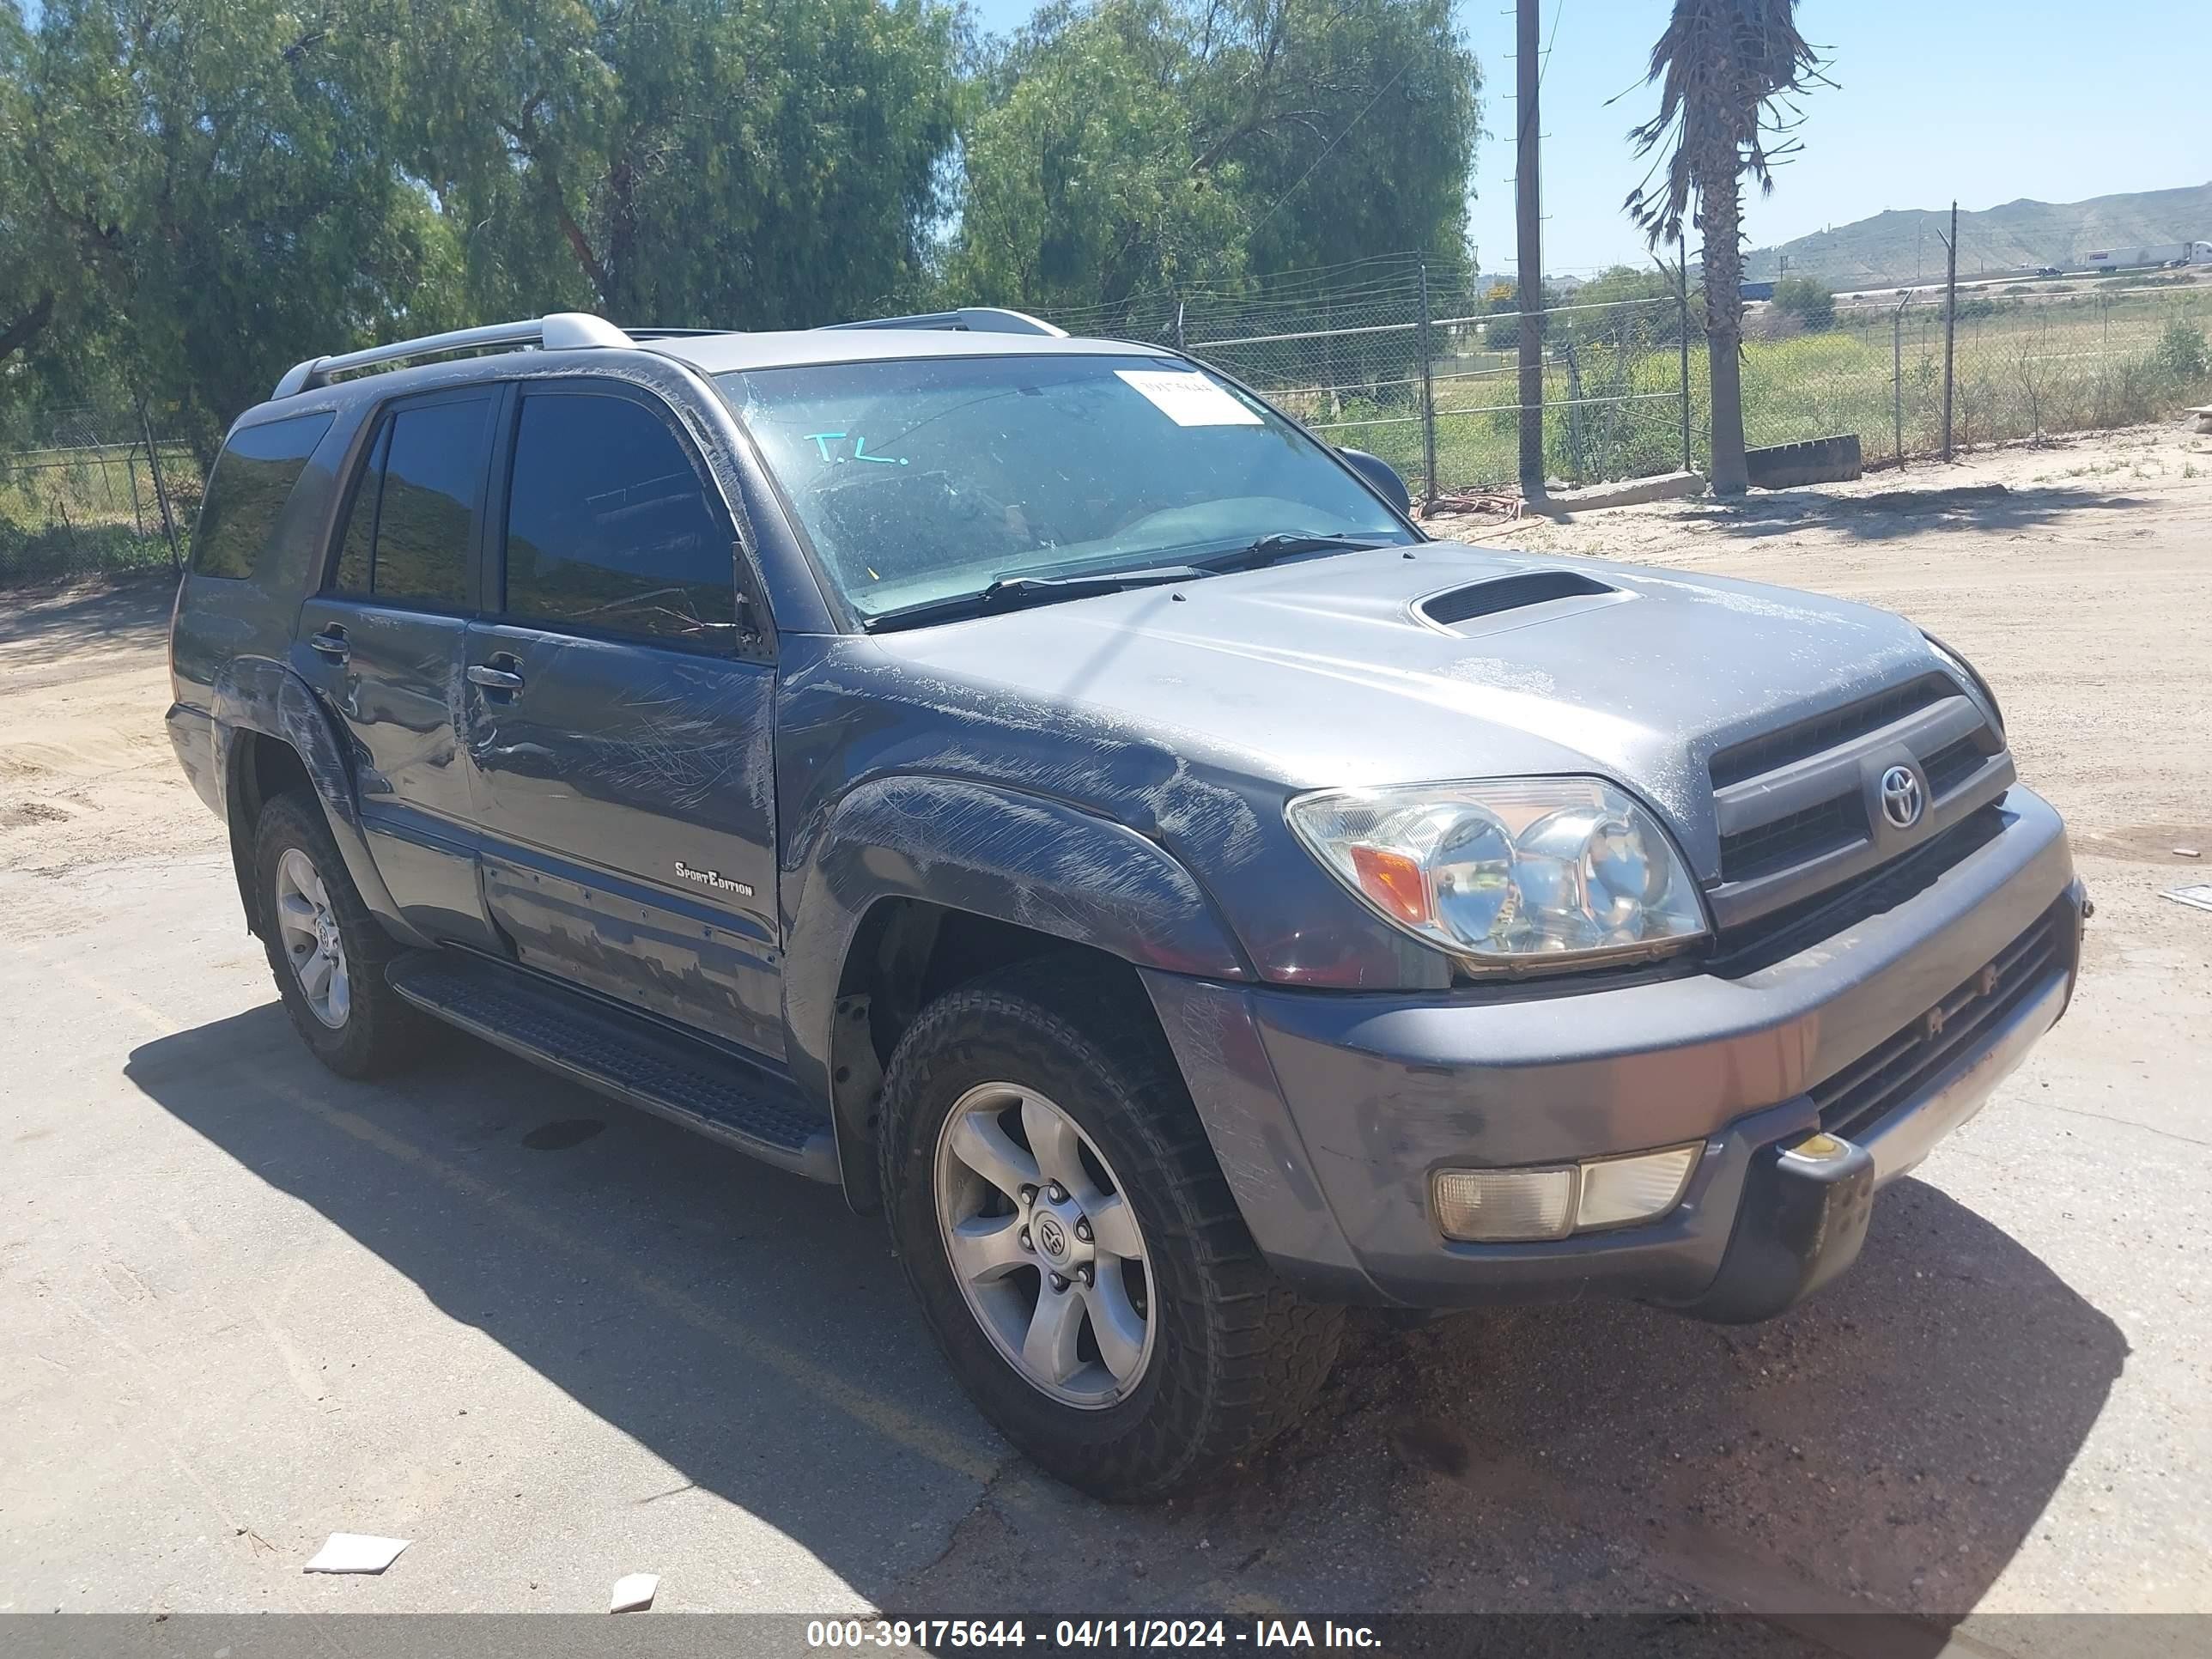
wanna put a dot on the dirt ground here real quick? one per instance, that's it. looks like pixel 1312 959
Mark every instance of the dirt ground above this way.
pixel 243 1304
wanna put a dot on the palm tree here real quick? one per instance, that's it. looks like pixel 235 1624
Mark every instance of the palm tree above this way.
pixel 1726 69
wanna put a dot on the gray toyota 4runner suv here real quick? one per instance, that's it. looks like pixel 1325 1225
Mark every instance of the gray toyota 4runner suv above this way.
pixel 1034 785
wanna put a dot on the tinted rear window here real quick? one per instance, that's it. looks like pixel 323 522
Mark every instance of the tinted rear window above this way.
pixel 413 518
pixel 251 481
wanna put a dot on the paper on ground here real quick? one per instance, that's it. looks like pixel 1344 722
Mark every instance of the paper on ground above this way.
pixel 2200 897
pixel 634 1592
pixel 1188 399
pixel 354 1552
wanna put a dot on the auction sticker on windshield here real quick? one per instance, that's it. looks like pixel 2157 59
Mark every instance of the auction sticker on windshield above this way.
pixel 1188 399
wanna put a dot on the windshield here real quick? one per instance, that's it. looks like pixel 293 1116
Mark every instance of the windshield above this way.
pixel 922 479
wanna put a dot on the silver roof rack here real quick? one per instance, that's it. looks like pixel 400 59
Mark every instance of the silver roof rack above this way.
pixel 563 330
pixel 975 320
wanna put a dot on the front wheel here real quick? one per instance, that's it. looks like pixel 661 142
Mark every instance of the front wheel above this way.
pixel 1077 1253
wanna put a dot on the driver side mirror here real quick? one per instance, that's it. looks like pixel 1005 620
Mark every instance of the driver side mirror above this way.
pixel 1382 477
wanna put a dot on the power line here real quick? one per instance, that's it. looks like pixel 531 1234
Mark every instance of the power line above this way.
pixel 1332 145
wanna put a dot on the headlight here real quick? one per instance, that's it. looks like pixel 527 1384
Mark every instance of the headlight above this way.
pixel 1515 873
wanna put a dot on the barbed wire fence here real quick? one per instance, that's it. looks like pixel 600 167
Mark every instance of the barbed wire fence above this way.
pixel 96 493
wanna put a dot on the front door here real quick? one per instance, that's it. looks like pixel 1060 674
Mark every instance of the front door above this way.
pixel 618 735
pixel 381 643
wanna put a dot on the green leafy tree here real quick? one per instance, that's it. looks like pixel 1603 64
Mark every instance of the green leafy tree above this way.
pixel 1725 70
pixel 772 163
pixel 1808 299
pixel 1156 144
pixel 194 194
pixel 30 264
pixel 1626 302
pixel 2184 353
pixel 1354 123
pixel 1081 182
pixel 212 195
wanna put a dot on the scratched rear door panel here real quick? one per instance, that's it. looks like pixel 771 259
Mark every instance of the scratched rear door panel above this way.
pixel 620 751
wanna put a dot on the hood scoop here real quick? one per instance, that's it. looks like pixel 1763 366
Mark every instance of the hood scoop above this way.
pixel 1497 600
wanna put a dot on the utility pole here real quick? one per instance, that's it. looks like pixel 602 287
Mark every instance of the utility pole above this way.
pixel 1950 320
pixel 1529 212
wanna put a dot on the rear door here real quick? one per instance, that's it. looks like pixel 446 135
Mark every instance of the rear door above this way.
pixel 381 642
pixel 619 718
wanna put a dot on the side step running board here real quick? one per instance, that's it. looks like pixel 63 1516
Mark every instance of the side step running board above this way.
pixel 626 1055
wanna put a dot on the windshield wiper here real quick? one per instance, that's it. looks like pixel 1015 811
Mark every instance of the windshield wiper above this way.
pixel 1013 592
pixel 1281 545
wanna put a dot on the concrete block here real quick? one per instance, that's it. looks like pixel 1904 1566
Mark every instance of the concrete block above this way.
pixel 1816 460
pixel 1667 486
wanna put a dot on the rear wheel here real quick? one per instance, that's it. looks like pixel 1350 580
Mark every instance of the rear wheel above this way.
pixel 326 951
pixel 1077 1254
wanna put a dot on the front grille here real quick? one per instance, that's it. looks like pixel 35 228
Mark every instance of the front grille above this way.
pixel 1778 934
pixel 1793 840
pixel 1856 1099
pixel 1775 749
pixel 1949 767
pixel 1795 808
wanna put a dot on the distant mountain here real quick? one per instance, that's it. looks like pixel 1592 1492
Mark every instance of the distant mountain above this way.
pixel 1904 246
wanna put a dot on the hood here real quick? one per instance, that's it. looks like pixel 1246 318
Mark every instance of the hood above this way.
pixel 1434 662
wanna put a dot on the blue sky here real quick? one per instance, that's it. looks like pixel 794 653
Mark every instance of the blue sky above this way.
pixel 1977 99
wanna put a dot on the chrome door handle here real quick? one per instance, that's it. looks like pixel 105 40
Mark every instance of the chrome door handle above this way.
pixel 331 642
pixel 495 679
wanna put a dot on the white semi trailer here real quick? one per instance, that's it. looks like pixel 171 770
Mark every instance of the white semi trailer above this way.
pixel 2136 259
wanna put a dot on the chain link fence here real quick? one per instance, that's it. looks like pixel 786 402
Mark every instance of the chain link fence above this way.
pixel 1417 361
pixel 2023 364
pixel 95 493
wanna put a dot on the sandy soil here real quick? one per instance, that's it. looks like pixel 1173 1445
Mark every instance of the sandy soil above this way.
pixel 87 775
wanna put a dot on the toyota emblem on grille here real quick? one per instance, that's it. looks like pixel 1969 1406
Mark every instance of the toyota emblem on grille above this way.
pixel 1901 800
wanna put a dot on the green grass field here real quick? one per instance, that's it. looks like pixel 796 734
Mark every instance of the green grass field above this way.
pixel 76 512
pixel 2022 366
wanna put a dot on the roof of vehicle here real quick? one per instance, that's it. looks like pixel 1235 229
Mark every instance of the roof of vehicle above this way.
pixel 969 332
pixel 723 354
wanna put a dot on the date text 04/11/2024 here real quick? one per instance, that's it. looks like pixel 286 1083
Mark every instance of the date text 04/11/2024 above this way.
pixel 939 1634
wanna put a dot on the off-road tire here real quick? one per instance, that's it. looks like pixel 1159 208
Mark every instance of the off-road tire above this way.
pixel 1237 1355
pixel 382 1031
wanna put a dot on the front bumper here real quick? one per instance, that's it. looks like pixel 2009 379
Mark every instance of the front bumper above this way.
pixel 1331 1112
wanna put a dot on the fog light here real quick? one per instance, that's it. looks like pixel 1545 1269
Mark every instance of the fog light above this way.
pixel 1493 1205
pixel 1819 1149
pixel 1623 1189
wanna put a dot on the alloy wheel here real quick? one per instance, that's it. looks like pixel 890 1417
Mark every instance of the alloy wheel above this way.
pixel 1045 1246
pixel 308 928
